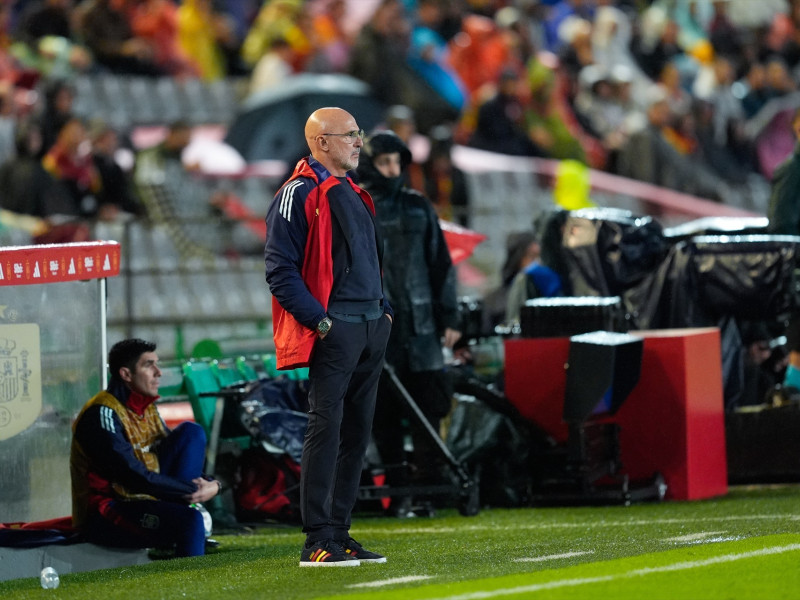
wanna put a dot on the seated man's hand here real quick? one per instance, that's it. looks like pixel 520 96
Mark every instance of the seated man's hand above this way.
pixel 205 491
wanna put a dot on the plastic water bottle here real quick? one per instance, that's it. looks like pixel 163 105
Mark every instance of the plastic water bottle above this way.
pixel 49 578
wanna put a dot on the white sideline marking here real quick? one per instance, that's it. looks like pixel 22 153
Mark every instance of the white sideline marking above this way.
pixel 552 556
pixel 382 582
pixel 635 573
pixel 692 537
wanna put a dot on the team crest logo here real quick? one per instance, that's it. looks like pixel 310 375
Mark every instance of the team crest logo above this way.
pixel 20 378
pixel 149 521
pixel 9 375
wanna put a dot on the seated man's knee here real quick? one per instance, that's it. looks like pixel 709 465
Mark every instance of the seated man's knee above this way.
pixel 190 432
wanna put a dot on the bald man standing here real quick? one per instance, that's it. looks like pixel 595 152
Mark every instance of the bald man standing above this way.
pixel 323 266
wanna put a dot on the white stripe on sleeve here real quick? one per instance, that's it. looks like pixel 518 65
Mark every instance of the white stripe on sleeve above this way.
pixel 107 419
pixel 286 199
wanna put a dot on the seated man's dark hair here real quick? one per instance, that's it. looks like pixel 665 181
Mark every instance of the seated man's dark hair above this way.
pixel 126 353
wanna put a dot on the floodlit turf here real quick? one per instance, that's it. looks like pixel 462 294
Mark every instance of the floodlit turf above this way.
pixel 745 545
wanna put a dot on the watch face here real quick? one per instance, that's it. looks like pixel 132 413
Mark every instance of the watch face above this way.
pixel 324 326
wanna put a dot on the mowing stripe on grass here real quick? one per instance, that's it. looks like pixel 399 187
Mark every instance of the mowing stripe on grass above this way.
pixel 577 525
pixel 679 566
pixel 552 556
pixel 392 581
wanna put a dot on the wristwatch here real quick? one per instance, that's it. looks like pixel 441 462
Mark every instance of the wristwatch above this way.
pixel 324 326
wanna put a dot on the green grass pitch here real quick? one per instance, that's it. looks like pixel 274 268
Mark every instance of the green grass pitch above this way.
pixel 744 545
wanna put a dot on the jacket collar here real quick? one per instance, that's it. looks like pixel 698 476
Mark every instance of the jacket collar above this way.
pixel 134 401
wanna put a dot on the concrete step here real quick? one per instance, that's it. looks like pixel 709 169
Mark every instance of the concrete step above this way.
pixel 19 563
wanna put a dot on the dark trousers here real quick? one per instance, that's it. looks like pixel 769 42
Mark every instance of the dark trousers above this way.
pixel 159 523
pixel 344 373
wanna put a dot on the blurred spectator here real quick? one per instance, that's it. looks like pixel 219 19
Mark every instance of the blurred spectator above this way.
pixel 575 53
pixel 378 57
pixel 648 156
pixel 546 118
pixel 717 90
pixel 779 80
pixel 8 122
pixel 534 280
pixel 605 105
pixel 41 18
pixel 9 67
pixel 515 28
pixel 781 38
pixel 330 40
pixel 560 11
pixel 532 18
pixel 522 248
pixel 273 68
pixel 428 54
pixel 241 14
pixel 680 100
pixel 656 42
pixel 482 50
pixel 69 161
pixel 733 163
pixel 681 133
pixel 207 37
pixel 115 198
pixel 162 164
pixel 156 21
pixel 46 41
pixel 106 30
pixel 400 119
pixel 277 19
pixel 444 182
pixel 757 94
pixel 724 35
pixel 612 34
pixel 765 363
pixel 25 186
pixel 500 125
pixel 59 97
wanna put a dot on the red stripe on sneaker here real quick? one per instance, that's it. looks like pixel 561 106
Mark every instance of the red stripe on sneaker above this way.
pixel 320 555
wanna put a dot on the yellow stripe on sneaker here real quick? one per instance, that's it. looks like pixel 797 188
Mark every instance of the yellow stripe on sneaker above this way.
pixel 320 555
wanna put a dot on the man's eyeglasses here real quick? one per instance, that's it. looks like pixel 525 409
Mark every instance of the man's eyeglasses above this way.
pixel 350 136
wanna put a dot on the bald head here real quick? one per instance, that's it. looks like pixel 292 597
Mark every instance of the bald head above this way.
pixel 336 153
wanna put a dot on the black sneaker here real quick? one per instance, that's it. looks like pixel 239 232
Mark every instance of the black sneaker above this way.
pixel 326 553
pixel 356 550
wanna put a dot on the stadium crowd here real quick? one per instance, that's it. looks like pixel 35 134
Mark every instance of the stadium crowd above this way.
pixel 678 93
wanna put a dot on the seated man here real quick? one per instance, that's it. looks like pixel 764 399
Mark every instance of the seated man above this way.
pixel 134 482
pixel 540 277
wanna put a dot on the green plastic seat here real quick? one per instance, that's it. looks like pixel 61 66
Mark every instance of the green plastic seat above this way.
pixel 204 389
pixel 247 368
pixel 227 372
pixel 172 382
pixel 270 366
pixel 199 379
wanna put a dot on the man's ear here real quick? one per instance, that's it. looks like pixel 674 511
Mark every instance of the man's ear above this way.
pixel 125 374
